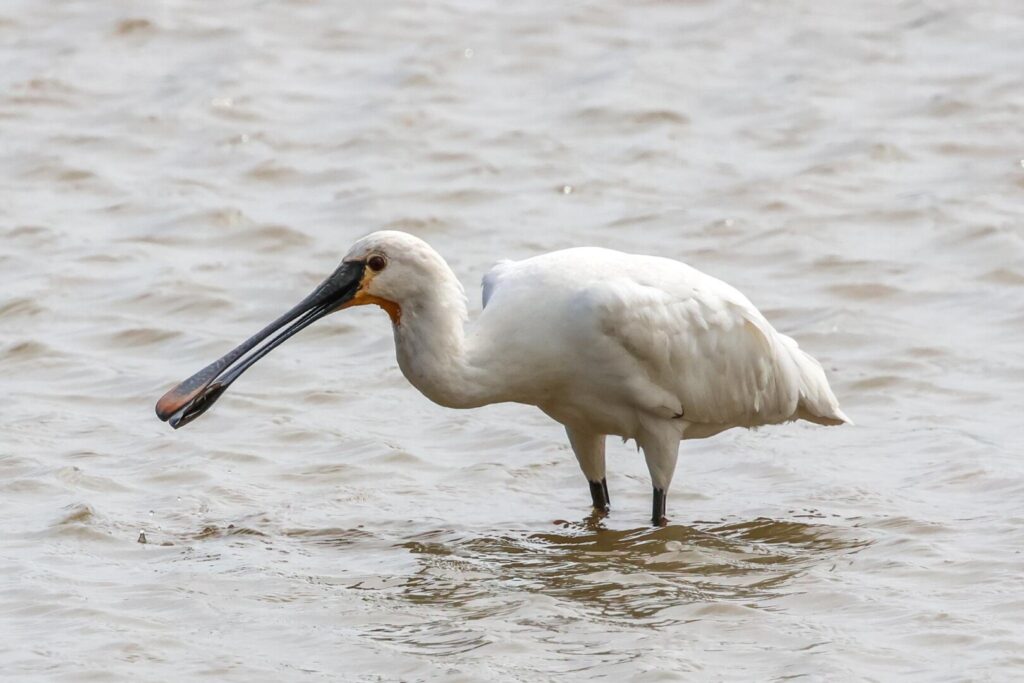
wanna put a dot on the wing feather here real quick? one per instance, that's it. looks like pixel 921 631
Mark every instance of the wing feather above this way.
pixel 709 350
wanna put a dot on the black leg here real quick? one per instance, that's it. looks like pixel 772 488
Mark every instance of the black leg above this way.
pixel 599 494
pixel 658 517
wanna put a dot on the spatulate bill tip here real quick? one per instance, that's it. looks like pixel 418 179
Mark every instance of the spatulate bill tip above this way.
pixel 174 401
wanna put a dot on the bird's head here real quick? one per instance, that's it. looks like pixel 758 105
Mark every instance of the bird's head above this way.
pixel 398 270
pixel 390 269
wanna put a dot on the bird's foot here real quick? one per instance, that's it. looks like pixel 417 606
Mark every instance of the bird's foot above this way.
pixel 660 521
pixel 594 522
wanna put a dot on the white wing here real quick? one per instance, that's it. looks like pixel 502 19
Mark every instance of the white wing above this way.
pixel 649 333
pixel 698 341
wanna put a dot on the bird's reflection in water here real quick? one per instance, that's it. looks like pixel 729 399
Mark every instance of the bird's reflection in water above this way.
pixel 458 590
pixel 629 574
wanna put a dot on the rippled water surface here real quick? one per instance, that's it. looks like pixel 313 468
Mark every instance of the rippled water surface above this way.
pixel 176 174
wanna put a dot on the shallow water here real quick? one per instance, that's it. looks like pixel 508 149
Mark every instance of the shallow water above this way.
pixel 176 175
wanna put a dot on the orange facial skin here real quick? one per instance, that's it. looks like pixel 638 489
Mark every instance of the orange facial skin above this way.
pixel 393 310
pixel 361 298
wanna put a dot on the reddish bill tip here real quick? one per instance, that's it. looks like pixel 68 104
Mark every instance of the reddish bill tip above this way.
pixel 174 400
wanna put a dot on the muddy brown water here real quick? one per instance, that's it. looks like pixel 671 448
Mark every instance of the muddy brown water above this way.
pixel 174 175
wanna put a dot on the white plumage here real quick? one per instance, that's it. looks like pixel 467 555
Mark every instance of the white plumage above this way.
pixel 655 339
pixel 604 342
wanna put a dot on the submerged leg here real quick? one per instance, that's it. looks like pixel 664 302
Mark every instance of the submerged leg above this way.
pixel 658 517
pixel 599 494
pixel 661 450
pixel 589 450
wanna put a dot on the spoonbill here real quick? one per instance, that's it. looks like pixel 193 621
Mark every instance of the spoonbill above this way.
pixel 604 342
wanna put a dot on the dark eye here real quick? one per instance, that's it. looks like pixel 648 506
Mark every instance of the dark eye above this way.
pixel 377 262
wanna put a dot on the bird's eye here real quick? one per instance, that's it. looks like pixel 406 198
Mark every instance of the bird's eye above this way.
pixel 377 262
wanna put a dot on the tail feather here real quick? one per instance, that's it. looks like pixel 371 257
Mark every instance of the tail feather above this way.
pixel 817 402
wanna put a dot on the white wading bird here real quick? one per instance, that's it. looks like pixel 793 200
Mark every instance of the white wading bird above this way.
pixel 641 347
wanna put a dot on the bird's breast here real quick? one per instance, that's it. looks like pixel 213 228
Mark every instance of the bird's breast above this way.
pixel 593 414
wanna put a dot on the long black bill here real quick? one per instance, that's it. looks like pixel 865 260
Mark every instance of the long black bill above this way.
pixel 194 396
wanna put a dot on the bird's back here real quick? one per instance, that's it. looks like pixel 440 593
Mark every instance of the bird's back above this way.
pixel 651 335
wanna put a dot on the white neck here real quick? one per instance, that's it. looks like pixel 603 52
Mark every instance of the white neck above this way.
pixel 432 351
